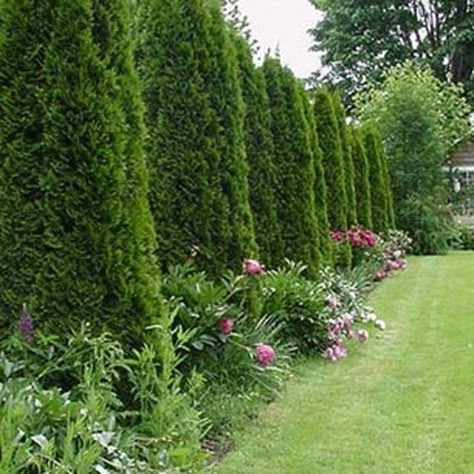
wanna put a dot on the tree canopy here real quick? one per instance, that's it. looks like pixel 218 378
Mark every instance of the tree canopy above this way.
pixel 360 39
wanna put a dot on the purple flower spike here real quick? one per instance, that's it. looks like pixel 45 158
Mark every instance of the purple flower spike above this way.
pixel 25 325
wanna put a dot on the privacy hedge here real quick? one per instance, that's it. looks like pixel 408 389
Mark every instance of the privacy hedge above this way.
pixel 76 236
pixel 361 179
pixel 294 163
pixel 199 188
pixel 334 168
pixel 260 150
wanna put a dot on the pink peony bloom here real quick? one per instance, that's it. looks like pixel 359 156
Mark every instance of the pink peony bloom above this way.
pixel 379 324
pixel 253 267
pixel 340 352
pixel 337 235
pixel 380 275
pixel 329 354
pixel 362 335
pixel 226 325
pixel 264 355
pixel 332 302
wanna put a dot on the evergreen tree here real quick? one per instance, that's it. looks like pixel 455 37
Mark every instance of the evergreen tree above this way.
pixel 76 236
pixel 231 172
pixel 347 156
pixel 320 189
pixel 295 167
pixel 199 189
pixel 378 186
pixel 334 169
pixel 361 179
pixel 262 172
pixel 388 184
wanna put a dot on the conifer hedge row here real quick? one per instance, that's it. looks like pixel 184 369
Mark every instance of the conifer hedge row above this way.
pixel 119 158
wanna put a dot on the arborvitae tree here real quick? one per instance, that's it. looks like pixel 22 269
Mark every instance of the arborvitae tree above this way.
pixel 388 184
pixel 76 237
pixel 378 186
pixel 347 156
pixel 295 167
pixel 199 190
pixel 320 189
pixel 262 172
pixel 231 172
pixel 361 179
pixel 334 169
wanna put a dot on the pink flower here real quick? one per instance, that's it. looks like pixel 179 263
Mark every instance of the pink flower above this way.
pixel 348 321
pixel 253 267
pixel 362 336
pixel 329 354
pixel 264 355
pixel 337 235
pixel 226 325
pixel 380 275
pixel 340 352
pixel 332 302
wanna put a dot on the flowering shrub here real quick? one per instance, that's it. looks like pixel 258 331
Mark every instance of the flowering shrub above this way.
pixel 361 240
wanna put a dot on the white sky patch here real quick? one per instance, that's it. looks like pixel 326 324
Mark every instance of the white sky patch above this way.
pixel 285 24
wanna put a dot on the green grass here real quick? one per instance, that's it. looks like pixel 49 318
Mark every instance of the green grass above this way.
pixel 403 403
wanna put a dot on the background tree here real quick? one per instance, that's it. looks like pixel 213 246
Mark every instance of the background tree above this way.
pixel 294 163
pixel 334 169
pixel 260 150
pixel 347 156
pixel 361 179
pixel 359 40
pixel 420 119
pixel 76 234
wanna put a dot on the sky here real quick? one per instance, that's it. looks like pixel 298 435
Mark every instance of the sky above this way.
pixel 285 23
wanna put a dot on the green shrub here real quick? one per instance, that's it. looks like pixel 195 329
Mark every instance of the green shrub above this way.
pixel 428 225
pixel 298 304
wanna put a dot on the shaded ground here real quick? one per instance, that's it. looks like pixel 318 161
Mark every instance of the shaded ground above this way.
pixel 404 403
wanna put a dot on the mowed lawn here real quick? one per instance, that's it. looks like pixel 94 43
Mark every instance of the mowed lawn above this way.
pixel 403 403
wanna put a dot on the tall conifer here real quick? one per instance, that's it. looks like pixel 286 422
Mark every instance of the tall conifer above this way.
pixel 361 179
pixel 378 187
pixel 76 236
pixel 259 144
pixel 320 188
pixel 295 167
pixel 199 188
pixel 347 156
pixel 334 169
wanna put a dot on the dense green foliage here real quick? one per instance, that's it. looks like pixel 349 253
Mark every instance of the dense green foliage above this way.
pixel 294 162
pixel 76 235
pixel 347 156
pixel 421 120
pixel 360 40
pixel 334 169
pixel 378 183
pixel 259 143
pixel 361 179
pixel 320 188
pixel 199 191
